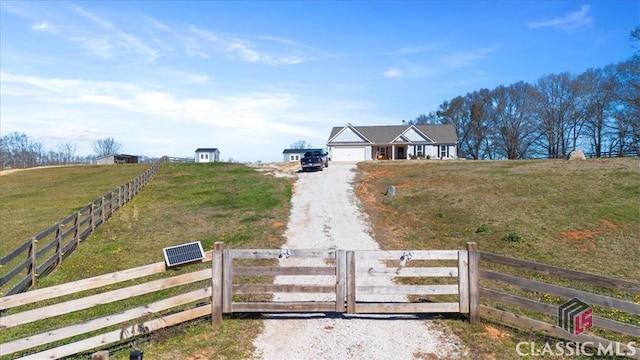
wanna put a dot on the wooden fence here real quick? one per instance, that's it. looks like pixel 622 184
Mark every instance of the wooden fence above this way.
pixel 217 290
pixel 41 253
pixel 490 279
pixel 274 280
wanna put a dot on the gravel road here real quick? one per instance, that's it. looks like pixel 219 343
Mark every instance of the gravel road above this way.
pixel 325 215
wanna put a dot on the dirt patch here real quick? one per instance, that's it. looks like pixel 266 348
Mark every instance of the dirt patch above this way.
pixel 586 238
pixel 495 333
pixel 606 226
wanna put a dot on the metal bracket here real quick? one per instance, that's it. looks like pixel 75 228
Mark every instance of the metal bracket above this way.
pixel 284 254
pixel 406 256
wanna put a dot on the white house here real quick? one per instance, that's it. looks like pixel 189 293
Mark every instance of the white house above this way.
pixel 392 142
pixel 207 155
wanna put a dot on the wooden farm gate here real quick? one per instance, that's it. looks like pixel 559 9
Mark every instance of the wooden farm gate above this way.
pixel 353 282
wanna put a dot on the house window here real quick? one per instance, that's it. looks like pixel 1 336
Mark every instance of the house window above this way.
pixel 294 157
pixel 443 151
pixel 206 156
pixel 201 156
pixel 419 151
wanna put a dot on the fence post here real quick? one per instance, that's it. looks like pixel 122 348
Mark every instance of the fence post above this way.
pixel 93 220
pixel 463 281
pixel 474 293
pixel 59 244
pixel 76 226
pixel 216 283
pixel 227 280
pixel 102 217
pixel 351 282
pixel 341 280
pixel 32 255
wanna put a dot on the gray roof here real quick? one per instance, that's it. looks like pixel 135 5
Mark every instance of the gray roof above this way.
pixel 294 151
pixel 298 151
pixel 384 134
pixel 206 149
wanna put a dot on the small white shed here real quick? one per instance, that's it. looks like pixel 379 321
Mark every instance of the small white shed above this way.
pixel 293 155
pixel 207 155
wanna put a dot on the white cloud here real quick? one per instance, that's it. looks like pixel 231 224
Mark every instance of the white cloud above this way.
pixel 393 73
pixel 418 49
pixel 573 21
pixel 437 64
pixel 287 52
pixel 458 60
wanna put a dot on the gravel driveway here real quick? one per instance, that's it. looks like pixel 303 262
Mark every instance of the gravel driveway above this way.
pixel 325 215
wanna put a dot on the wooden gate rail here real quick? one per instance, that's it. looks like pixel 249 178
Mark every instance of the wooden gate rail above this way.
pixel 230 272
pixel 405 268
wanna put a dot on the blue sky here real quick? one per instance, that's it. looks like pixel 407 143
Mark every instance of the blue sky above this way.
pixel 253 77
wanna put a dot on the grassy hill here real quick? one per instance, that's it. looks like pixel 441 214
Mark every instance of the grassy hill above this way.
pixel 33 199
pixel 581 215
pixel 578 215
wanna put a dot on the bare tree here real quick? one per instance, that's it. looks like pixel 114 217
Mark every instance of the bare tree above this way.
pixel 627 111
pixel 597 90
pixel 513 120
pixel 423 119
pixel 300 144
pixel 67 152
pixel 107 146
pixel 558 114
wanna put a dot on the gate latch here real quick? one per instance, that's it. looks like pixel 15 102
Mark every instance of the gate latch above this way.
pixel 284 254
pixel 406 256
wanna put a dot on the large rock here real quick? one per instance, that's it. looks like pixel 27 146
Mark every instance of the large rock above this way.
pixel 577 155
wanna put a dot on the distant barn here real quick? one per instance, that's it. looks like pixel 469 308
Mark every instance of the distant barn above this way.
pixel 117 159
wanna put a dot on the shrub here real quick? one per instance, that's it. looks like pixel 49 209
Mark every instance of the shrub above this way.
pixel 510 237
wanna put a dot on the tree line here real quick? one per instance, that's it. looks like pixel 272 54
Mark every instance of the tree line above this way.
pixel 597 111
pixel 18 150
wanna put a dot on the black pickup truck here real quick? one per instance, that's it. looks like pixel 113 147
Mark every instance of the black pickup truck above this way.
pixel 314 159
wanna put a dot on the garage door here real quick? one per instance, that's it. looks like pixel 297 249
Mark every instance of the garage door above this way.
pixel 354 153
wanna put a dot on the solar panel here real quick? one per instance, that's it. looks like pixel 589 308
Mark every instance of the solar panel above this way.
pixel 182 254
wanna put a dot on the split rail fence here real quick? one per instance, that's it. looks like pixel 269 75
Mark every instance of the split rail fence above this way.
pixel 231 281
pixel 41 253
pixel 501 288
